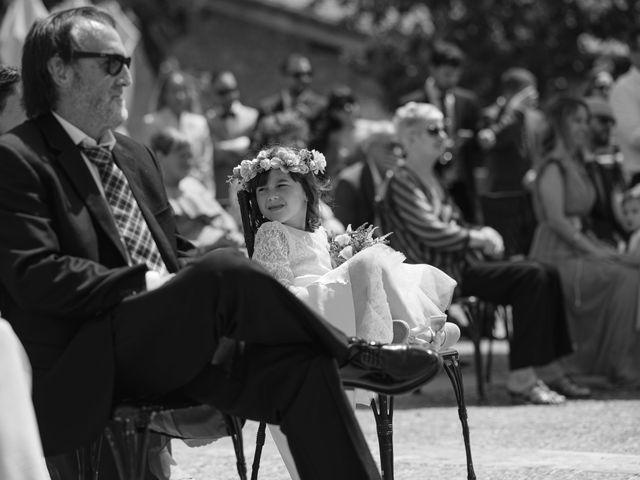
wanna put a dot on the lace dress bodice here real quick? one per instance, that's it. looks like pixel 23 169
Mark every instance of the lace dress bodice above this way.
pixel 290 254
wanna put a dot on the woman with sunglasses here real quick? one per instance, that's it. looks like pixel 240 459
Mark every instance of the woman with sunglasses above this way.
pixel 428 228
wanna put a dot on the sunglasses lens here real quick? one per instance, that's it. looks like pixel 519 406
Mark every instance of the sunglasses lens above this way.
pixel 301 74
pixel 116 63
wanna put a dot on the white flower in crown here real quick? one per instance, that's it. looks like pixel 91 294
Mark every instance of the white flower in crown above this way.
pixel 302 162
pixel 265 163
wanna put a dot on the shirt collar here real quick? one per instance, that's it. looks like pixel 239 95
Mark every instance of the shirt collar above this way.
pixel 78 136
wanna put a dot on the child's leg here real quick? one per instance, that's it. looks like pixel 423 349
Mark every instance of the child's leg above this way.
pixel 373 317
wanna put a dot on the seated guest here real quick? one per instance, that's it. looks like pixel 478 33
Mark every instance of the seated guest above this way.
pixel 199 217
pixel 625 102
pixel 510 137
pixel 603 161
pixel 427 228
pixel 287 129
pixel 231 124
pixel 178 107
pixel 296 94
pixel 631 218
pixel 11 110
pixel 21 455
pixel 111 302
pixel 357 186
pixel 600 285
pixel 337 129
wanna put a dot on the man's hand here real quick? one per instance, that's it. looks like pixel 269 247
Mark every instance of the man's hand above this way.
pixel 524 99
pixel 486 138
pixel 154 279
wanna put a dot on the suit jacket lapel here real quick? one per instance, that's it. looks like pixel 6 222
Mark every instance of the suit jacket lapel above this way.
pixel 71 162
pixel 129 167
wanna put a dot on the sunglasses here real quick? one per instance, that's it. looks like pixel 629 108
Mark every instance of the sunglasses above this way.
pixel 226 91
pixel 306 73
pixel 604 119
pixel 115 62
pixel 435 130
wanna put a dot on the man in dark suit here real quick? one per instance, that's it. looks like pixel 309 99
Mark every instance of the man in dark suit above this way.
pixel 231 123
pixel 357 186
pixel 511 136
pixel 461 111
pixel 102 292
pixel 297 94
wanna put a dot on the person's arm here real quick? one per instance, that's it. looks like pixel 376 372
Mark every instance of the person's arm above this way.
pixel 34 268
pixel 417 214
pixel 271 250
pixel 551 192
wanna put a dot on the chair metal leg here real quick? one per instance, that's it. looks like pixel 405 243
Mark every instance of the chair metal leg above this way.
pixel 234 429
pixel 473 309
pixel 260 439
pixel 452 367
pixel 88 460
pixel 128 437
pixel 383 413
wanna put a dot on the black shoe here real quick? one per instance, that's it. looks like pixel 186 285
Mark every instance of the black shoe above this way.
pixel 388 369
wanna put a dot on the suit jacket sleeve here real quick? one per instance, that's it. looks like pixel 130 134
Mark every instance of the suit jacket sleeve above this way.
pixel 41 266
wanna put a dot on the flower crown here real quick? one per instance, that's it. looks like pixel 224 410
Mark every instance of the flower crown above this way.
pixel 288 161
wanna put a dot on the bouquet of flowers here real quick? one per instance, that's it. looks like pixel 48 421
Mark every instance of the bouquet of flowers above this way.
pixel 344 246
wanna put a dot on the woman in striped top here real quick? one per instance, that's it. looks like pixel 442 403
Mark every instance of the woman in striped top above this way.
pixel 428 228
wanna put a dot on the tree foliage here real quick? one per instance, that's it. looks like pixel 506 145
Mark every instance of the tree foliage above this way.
pixel 557 39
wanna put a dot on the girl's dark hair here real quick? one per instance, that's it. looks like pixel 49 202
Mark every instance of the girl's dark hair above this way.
pixel 46 39
pixel 313 186
pixel 557 111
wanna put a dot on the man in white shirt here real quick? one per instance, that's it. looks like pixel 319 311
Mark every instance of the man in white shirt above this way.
pixel 625 102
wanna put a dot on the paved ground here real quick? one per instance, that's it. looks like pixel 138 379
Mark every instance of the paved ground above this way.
pixel 590 439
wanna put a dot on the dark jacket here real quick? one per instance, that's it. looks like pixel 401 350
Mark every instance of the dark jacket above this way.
pixel 63 268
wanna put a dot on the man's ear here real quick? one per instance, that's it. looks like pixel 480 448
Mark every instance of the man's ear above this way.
pixel 60 72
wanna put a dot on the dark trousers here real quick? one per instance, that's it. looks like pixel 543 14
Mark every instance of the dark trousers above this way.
pixel 540 331
pixel 275 360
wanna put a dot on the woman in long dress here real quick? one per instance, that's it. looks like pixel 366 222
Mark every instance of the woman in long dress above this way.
pixel 600 286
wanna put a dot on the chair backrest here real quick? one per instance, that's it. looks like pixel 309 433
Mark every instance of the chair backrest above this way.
pixel 511 214
pixel 249 221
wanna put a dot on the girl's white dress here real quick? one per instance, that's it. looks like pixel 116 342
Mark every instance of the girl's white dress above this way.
pixel 363 295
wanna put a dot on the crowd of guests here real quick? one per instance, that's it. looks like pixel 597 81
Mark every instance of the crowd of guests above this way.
pixel 495 186
pixel 535 208
pixel 518 184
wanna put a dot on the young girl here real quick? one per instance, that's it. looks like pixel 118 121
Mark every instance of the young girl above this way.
pixel 363 295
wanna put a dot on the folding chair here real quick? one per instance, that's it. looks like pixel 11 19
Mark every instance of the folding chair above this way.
pixel 128 433
pixel 382 407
